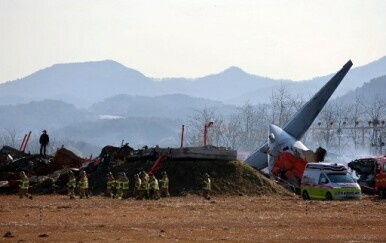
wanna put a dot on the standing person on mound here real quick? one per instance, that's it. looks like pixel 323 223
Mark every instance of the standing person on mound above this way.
pixel 44 140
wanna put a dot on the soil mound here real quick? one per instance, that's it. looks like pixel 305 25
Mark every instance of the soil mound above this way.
pixel 185 176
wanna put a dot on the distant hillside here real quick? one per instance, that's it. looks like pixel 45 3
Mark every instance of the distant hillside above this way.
pixel 84 84
pixel 47 114
pixel 137 131
pixel 81 84
pixel 145 120
pixel 376 88
pixel 355 78
pixel 225 86
pixel 167 106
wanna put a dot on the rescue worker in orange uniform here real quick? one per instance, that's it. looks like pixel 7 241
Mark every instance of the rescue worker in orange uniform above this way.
pixel 164 185
pixel 71 184
pixel 110 185
pixel 23 186
pixel 206 186
pixel 83 185
pixel 153 187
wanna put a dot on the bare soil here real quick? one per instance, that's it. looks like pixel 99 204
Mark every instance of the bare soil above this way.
pixel 55 218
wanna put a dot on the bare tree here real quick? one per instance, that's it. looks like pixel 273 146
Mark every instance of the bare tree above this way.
pixel 195 128
pixel 243 130
pixel 9 138
pixel 227 133
pixel 326 119
pixel 253 125
pixel 374 111
pixel 356 113
pixel 342 113
pixel 281 106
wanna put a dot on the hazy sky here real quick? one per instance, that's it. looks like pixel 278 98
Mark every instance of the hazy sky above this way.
pixel 296 39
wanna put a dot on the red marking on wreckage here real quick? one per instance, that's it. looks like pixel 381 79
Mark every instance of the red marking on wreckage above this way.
pixel 290 164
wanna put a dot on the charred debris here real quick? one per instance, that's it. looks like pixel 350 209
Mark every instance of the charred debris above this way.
pixel 185 167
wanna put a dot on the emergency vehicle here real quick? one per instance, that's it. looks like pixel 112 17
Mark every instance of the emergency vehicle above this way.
pixel 372 174
pixel 328 181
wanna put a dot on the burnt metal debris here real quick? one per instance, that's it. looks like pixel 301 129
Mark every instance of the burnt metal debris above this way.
pixel 49 174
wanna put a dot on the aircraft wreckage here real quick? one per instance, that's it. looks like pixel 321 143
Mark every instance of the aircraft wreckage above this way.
pixel 284 154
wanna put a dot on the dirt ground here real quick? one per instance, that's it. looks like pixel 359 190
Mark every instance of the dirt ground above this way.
pixel 55 218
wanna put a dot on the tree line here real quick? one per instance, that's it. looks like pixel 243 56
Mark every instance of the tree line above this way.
pixel 354 127
pixel 347 128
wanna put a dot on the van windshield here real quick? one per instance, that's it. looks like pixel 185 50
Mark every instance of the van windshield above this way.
pixel 340 178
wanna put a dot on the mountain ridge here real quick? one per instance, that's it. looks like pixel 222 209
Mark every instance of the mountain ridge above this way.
pixel 86 83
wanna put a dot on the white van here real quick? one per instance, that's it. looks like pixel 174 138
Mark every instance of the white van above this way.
pixel 327 181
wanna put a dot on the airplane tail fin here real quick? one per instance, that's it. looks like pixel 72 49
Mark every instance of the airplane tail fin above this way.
pixel 302 120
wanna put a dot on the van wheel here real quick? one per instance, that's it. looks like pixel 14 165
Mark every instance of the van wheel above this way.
pixel 381 193
pixel 328 196
pixel 305 195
